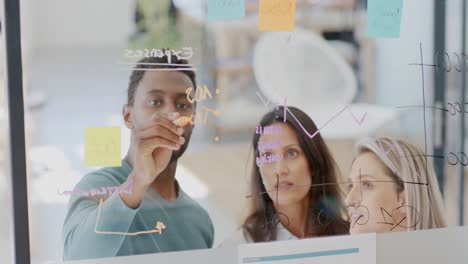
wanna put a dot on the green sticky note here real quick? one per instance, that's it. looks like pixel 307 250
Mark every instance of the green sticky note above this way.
pixel 219 10
pixel 384 18
pixel 102 146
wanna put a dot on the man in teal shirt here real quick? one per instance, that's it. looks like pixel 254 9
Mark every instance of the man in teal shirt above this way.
pixel 139 208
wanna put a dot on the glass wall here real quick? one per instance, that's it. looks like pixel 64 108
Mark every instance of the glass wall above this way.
pixel 79 61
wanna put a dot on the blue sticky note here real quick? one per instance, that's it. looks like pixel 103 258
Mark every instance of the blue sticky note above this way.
pixel 384 18
pixel 219 10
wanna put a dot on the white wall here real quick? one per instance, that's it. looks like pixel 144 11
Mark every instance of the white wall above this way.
pixel 77 24
pixel 28 17
pixel 397 83
pixel 393 75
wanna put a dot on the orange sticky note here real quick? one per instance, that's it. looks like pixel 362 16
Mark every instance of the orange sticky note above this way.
pixel 276 15
pixel 102 146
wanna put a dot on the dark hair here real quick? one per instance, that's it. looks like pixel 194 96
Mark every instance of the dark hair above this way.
pixel 325 215
pixel 155 63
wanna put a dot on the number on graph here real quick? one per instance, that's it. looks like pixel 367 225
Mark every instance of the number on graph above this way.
pixel 457 107
pixel 460 158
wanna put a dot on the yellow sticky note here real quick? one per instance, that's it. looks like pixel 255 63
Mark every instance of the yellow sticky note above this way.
pixel 102 146
pixel 276 15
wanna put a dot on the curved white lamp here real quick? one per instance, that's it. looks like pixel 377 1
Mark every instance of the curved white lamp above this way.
pixel 303 68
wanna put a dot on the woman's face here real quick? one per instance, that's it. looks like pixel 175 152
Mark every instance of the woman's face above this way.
pixel 285 170
pixel 374 205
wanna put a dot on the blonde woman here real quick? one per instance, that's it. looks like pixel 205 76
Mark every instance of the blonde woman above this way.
pixel 391 189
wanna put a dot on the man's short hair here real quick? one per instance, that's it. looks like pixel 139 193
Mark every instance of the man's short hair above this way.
pixel 156 63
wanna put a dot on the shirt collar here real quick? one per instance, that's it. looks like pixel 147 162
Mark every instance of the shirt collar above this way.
pixel 283 234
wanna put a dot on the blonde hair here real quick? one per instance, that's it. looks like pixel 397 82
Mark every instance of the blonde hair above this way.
pixel 407 163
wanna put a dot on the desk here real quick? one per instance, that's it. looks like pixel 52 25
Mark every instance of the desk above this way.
pixel 447 245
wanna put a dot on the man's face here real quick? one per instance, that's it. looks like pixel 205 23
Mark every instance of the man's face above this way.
pixel 161 93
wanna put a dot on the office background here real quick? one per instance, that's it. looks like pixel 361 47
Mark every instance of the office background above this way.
pixel 73 80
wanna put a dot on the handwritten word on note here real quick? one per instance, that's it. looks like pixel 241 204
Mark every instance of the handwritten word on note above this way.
pixel 198 95
pixel 219 10
pixel 384 18
pixel 276 15
pixel 102 146
pixel 269 145
pixel 268 159
pixel 124 188
pixel 185 54
pixel 268 130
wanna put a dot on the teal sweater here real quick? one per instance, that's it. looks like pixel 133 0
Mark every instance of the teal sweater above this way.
pixel 188 226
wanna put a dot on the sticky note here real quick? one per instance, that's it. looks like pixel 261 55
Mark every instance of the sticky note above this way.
pixel 219 10
pixel 276 15
pixel 384 18
pixel 102 146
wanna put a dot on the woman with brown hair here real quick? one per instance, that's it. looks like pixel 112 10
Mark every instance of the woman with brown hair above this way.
pixel 294 189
